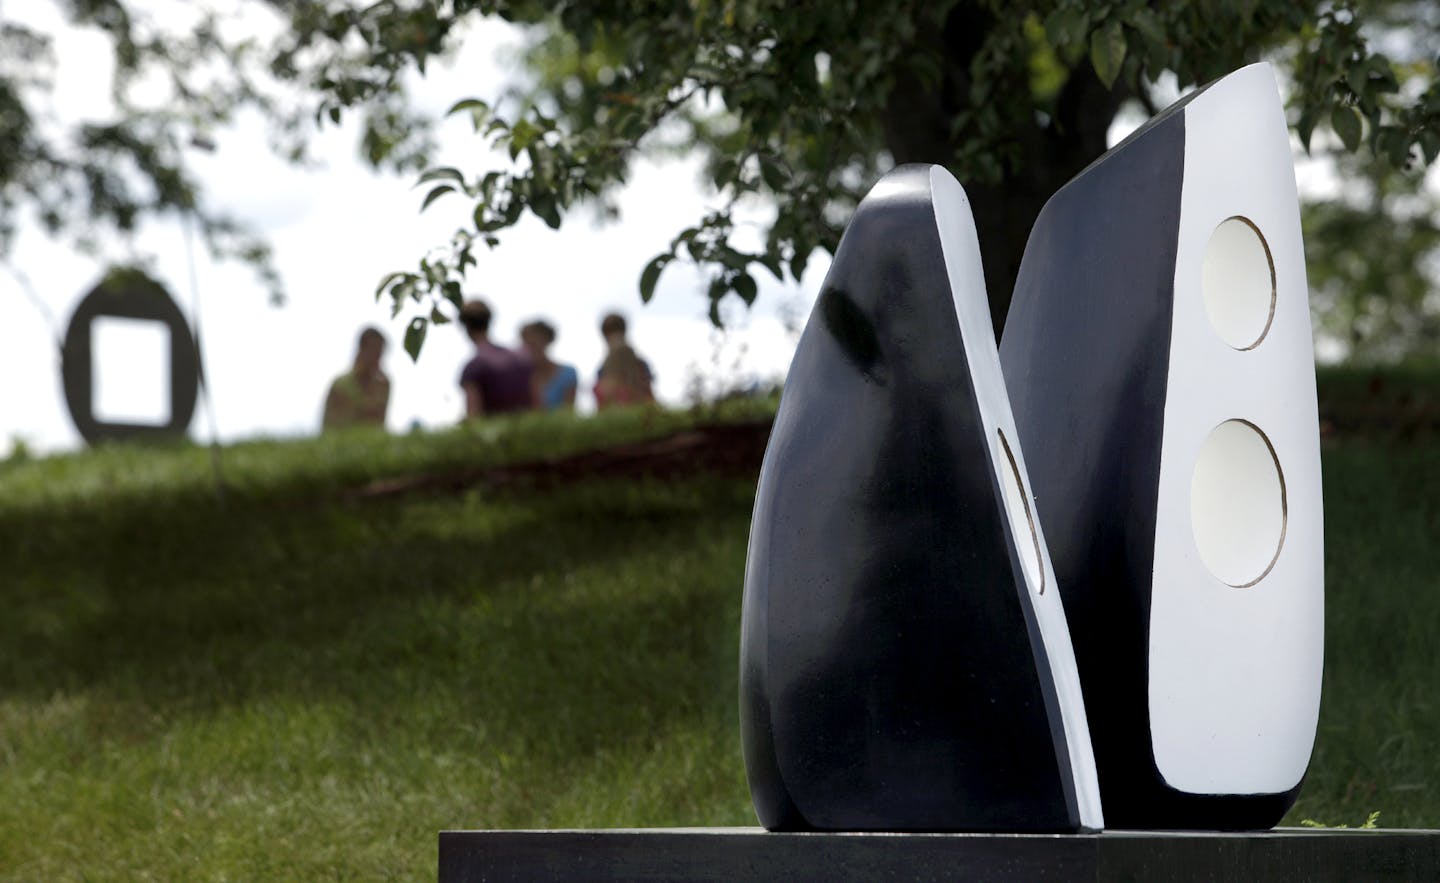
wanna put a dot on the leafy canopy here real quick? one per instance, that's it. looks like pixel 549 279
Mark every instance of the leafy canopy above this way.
pixel 796 106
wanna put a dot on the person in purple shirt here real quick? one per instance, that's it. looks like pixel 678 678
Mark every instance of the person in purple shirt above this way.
pixel 496 380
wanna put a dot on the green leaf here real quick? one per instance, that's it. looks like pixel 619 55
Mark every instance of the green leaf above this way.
pixel 1305 127
pixel 1346 123
pixel 543 205
pixel 731 258
pixel 651 275
pixel 1430 144
pixel 725 172
pixel 415 336
pixel 474 105
pixel 481 217
pixel 685 236
pixel 799 259
pixel 1382 74
pixel 385 283
pixel 436 194
pixel 1148 24
pixel 745 287
pixel 1107 52
pixel 774 174
pixel 1357 78
pixel 446 172
pixel 522 135
pixel 451 291
pixel 479 111
pixel 1065 27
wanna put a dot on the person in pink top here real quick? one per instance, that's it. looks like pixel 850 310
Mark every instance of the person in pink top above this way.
pixel 496 380
pixel 624 377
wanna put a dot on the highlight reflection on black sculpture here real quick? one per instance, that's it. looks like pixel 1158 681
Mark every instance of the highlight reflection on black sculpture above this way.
pixel 905 663
pixel 1158 355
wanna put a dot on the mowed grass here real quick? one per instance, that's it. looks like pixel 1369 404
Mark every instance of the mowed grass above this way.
pixel 296 684
pixel 1378 746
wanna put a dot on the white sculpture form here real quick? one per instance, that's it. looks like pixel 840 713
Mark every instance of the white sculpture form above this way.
pixel 1159 360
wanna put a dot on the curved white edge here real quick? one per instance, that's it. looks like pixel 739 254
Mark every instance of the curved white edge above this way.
pixel 961 247
pixel 1234 673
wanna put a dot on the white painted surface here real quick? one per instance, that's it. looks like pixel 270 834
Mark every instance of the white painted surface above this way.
pixel 1237 282
pixel 961 247
pixel 130 371
pixel 1234 673
pixel 1237 504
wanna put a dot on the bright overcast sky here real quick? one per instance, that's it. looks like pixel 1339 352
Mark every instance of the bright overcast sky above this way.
pixel 336 231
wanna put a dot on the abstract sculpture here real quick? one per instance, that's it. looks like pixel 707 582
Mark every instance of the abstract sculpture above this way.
pixel 905 657
pixel 128 294
pixel 1158 355
pixel 905 660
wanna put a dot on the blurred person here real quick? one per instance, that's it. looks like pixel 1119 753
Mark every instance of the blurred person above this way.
pixel 360 396
pixel 553 384
pixel 624 378
pixel 496 380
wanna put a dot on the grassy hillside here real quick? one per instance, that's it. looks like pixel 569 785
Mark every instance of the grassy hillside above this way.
pixel 311 677
pixel 300 683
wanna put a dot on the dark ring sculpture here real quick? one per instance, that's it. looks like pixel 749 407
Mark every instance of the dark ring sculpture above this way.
pixel 128 294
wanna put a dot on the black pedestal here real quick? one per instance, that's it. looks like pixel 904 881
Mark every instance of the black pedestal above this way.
pixel 746 854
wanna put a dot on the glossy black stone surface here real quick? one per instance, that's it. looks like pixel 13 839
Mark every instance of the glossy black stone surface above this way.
pixel 889 680
pixel 1086 358
pixel 723 855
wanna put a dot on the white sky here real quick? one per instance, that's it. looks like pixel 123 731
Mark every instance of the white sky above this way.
pixel 335 232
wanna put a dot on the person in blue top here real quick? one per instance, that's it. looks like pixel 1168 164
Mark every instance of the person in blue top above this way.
pixel 554 383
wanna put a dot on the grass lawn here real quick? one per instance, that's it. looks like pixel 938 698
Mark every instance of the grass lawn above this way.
pixel 301 683
pixel 1378 746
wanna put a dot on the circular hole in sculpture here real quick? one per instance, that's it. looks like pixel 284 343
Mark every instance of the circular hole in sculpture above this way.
pixel 1022 520
pixel 1237 504
pixel 1237 282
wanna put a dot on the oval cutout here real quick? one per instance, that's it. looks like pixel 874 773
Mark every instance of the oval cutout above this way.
pixel 1022 520
pixel 1237 283
pixel 1237 504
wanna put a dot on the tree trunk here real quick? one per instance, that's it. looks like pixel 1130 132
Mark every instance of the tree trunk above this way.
pixel 917 120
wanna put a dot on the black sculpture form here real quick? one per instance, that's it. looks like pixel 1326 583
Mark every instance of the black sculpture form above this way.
pixel 905 663
pixel 128 294
pixel 1158 356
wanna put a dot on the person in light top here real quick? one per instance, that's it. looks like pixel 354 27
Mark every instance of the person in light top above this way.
pixel 360 396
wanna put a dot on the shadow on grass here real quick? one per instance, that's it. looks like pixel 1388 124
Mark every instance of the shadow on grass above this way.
pixel 587 614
